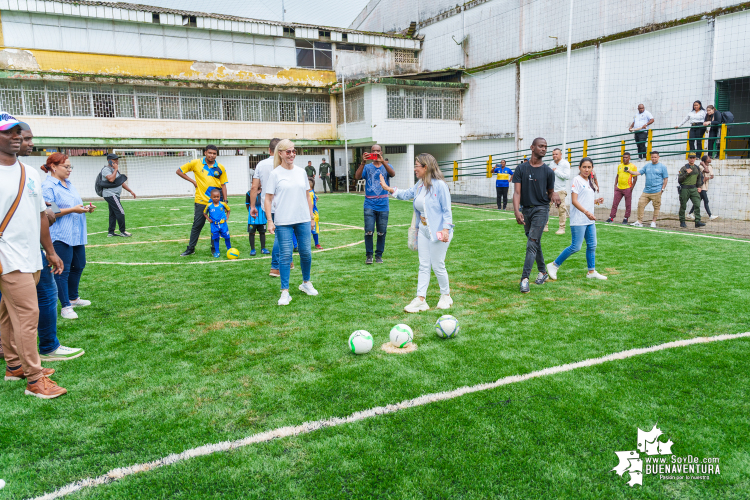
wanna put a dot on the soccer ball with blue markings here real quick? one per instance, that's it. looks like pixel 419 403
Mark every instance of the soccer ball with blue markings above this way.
pixel 447 327
pixel 233 253
pixel 401 335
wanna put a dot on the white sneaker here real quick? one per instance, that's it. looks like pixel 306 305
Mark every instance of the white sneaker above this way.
pixel 285 298
pixel 691 216
pixel 68 313
pixel 713 217
pixel 637 224
pixel 653 224
pixel 445 302
pixel 417 305
pixel 79 302
pixel 596 275
pixel 308 288
pixel 62 353
pixel 552 271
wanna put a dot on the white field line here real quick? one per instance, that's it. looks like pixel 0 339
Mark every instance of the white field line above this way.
pixel 666 231
pixel 187 263
pixel 229 222
pixel 308 427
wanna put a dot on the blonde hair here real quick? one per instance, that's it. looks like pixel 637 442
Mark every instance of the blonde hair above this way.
pixel 433 171
pixel 283 145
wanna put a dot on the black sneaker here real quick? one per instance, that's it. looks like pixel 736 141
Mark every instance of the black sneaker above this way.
pixel 111 235
pixel 682 224
pixel 125 234
pixel 525 285
pixel 378 260
pixel 625 221
pixel 700 224
pixel 188 251
pixel 368 260
pixel 541 278
pixel 609 219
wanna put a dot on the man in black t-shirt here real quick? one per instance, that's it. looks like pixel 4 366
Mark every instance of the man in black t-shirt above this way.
pixel 533 188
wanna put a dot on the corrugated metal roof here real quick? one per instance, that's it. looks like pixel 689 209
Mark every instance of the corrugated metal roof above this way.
pixel 164 10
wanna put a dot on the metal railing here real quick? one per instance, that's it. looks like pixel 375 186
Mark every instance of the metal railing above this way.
pixel 609 149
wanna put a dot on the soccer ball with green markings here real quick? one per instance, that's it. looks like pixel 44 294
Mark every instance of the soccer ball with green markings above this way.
pixel 401 335
pixel 360 342
pixel 447 326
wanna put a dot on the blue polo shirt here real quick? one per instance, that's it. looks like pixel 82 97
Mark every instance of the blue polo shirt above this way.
pixel 655 175
pixel 376 198
pixel 70 228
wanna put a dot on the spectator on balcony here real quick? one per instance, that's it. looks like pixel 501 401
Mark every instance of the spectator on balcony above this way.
pixel 624 183
pixel 561 168
pixel 696 117
pixel 502 184
pixel 713 119
pixel 641 122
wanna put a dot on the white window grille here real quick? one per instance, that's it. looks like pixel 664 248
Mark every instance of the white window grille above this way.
pixel 395 150
pixel 125 101
pixel 432 104
pixel 355 106
pixel 406 56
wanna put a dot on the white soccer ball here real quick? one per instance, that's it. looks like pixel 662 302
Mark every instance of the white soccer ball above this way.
pixel 360 342
pixel 401 335
pixel 2 484
pixel 447 327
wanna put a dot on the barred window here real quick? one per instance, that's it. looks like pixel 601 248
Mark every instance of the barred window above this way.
pixel 125 101
pixel 355 106
pixel 405 103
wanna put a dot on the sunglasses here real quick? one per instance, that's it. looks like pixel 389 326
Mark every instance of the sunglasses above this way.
pixel 291 151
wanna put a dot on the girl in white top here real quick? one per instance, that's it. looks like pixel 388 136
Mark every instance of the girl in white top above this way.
pixel 582 221
pixel 287 190
pixel 434 221
pixel 696 117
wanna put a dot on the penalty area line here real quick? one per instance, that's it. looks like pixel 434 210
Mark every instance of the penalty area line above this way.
pixel 308 427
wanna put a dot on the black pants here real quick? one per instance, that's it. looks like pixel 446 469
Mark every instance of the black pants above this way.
pixel 640 139
pixel 198 221
pixel 502 197
pixel 704 196
pixel 713 134
pixel 535 218
pixel 116 213
pixel 696 140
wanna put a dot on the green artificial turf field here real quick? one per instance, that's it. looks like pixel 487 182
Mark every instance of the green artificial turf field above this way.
pixel 180 355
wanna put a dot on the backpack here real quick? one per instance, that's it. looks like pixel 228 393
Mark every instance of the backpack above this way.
pixel 98 184
pixel 101 183
pixel 727 117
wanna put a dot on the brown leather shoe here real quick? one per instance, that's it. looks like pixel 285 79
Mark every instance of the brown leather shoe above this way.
pixel 45 388
pixel 18 374
pixel 275 273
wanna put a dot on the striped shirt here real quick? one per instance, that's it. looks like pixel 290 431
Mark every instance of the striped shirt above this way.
pixel 70 228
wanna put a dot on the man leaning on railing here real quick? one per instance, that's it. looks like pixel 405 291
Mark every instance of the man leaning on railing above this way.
pixel 641 122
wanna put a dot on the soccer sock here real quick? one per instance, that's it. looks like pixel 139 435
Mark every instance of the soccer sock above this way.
pixel 228 243
pixel 263 239
pixel 13 368
pixel 315 237
pixel 251 237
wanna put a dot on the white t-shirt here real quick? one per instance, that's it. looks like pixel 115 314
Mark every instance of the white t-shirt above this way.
pixel 562 175
pixel 289 189
pixel 262 170
pixel 586 197
pixel 19 246
pixel 642 119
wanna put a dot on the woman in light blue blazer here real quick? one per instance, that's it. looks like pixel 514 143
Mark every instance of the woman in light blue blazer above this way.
pixel 434 223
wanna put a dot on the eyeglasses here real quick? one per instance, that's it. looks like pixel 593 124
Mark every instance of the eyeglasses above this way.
pixel 291 151
pixel 69 167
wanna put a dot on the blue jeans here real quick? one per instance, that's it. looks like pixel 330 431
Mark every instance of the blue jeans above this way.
pixel 46 294
pixel 579 233
pixel 374 218
pixel 74 259
pixel 275 249
pixel 286 247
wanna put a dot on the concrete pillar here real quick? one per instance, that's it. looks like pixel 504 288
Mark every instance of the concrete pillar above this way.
pixel 410 164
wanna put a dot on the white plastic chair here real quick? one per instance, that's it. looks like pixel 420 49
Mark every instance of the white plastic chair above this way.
pixel 361 185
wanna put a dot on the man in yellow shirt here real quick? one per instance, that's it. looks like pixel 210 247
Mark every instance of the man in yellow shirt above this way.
pixel 624 182
pixel 209 174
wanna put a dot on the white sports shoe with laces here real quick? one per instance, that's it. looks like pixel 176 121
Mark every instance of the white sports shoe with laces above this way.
pixel 285 298
pixel 596 275
pixel 79 302
pixel 417 305
pixel 308 288
pixel 68 313
pixel 445 302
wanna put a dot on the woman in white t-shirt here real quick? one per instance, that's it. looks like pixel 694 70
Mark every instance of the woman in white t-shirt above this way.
pixel 287 189
pixel 582 221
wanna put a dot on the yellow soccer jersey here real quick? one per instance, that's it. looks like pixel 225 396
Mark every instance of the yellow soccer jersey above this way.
pixel 624 180
pixel 206 177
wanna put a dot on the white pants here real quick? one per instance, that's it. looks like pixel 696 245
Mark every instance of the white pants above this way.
pixel 431 256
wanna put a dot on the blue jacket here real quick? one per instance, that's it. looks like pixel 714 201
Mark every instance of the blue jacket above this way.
pixel 437 206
